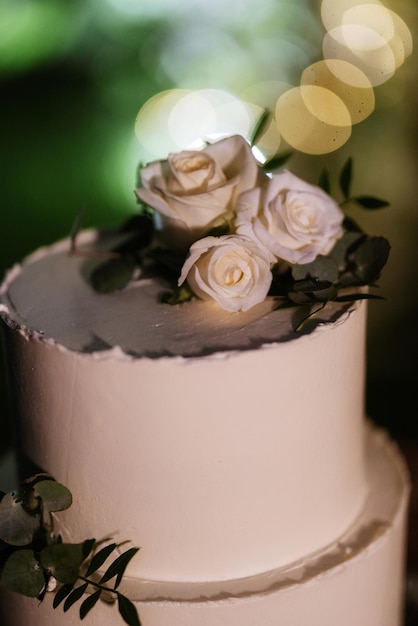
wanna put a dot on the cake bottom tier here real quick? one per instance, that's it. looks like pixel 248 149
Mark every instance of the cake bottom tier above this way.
pixel 356 580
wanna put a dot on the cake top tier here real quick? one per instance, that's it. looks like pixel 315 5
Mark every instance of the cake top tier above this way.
pixel 49 295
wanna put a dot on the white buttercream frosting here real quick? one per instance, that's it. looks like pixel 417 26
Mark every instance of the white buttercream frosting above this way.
pixel 210 462
pixel 230 448
pixel 64 308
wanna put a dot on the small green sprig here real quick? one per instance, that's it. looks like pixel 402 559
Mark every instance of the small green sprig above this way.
pixel 33 559
pixel 356 260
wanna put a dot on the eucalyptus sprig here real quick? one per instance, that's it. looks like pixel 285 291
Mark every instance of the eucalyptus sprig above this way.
pixel 33 559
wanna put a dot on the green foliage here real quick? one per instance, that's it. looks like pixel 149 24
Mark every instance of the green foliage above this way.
pixel 355 261
pixel 21 573
pixel 113 274
pixel 260 127
pixel 346 175
pixel 17 527
pixel 276 162
pixel 31 556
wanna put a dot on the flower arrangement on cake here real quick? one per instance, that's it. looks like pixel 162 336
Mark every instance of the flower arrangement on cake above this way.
pixel 219 225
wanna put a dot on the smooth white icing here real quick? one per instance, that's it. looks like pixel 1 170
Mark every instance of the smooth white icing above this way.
pixel 218 466
pixel 233 451
pixel 356 580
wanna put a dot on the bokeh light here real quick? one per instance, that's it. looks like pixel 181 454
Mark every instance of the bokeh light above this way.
pixel 313 119
pixel 179 118
pixel 367 35
pixel 364 44
pixel 346 81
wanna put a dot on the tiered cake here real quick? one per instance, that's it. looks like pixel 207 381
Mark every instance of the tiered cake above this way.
pixel 232 449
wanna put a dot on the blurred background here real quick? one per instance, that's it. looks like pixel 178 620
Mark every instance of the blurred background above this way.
pixel 74 76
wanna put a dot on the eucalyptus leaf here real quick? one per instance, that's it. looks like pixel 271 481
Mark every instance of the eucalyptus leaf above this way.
pixel 54 496
pixel 368 258
pixel 74 596
pixel 141 228
pixel 63 561
pixel 17 526
pixel 128 611
pixel 342 248
pixel 322 268
pixel 89 603
pixel 113 274
pixel 118 567
pixel 168 262
pixel 22 574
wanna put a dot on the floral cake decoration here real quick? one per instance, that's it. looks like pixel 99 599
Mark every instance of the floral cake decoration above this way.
pixel 219 225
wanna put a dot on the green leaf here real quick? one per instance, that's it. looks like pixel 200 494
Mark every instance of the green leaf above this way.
pixel 128 611
pixel 54 496
pixel 88 546
pixel 177 295
pixel 74 596
pixel 311 290
pixel 367 259
pixel 350 297
pixel 168 262
pixel 22 574
pixel 89 603
pixel 345 177
pixel 141 228
pixel 118 567
pixel 323 268
pixel 63 560
pixel 100 558
pixel 219 230
pixel 260 127
pixel 17 526
pixel 324 181
pixel 113 274
pixel 342 248
pixel 369 202
pixel 351 225
pixel 61 594
pixel 276 162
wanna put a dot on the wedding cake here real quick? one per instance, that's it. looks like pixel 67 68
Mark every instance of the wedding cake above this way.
pixel 220 432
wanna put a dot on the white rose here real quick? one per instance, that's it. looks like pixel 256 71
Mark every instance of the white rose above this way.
pixel 230 269
pixel 291 219
pixel 191 189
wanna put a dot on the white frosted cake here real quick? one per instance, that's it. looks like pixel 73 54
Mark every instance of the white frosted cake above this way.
pixel 233 451
pixel 221 433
